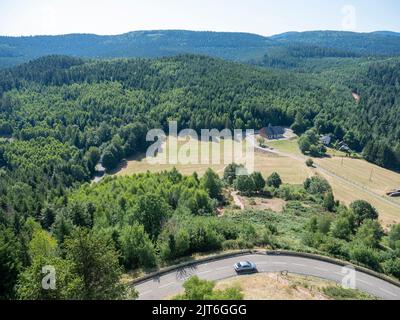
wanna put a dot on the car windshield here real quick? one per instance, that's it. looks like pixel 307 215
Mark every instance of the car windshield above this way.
pixel 245 264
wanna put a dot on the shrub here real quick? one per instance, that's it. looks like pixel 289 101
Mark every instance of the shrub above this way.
pixel 365 255
pixel 394 237
pixel 211 182
pixel 258 180
pixel 197 289
pixel 274 180
pixel 363 211
pixel 370 233
pixel 290 193
pixel 334 247
pixel 310 163
pixel 342 227
pixel 392 267
pixel 317 186
pixel 244 184
pixel 339 293
pixel 231 171
pixel 329 202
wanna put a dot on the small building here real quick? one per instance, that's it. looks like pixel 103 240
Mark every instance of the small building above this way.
pixel 100 170
pixel 272 132
pixel 326 139
pixel 342 146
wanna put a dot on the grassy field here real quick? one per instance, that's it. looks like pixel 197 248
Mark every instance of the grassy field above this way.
pixel 288 146
pixel 389 214
pixel 367 176
pixel 291 172
pixel 363 174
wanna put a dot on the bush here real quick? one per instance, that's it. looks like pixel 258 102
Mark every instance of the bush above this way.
pixel 309 144
pixel 320 224
pixel 237 244
pixel 274 180
pixel 392 267
pixel 197 289
pixel 329 202
pixel 258 180
pixel 339 293
pixel 362 211
pixel 137 248
pixel 342 227
pixel 244 184
pixel 394 237
pixel 231 171
pixel 310 163
pixel 291 193
pixel 317 186
pixel 334 247
pixel 370 233
pixel 365 255
pixel 211 182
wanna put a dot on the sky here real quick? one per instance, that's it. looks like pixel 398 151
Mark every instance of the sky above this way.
pixel 265 17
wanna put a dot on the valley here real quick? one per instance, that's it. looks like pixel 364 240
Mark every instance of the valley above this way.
pixel 64 118
pixel 351 179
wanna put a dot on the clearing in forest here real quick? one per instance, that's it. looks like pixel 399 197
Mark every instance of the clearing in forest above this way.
pixel 291 172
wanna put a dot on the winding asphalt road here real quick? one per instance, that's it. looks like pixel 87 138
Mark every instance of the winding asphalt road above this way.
pixel 170 284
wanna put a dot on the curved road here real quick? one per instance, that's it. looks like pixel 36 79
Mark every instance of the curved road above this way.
pixel 170 284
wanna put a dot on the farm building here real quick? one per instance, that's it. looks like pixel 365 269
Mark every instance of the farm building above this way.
pixel 326 139
pixel 342 146
pixel 272 132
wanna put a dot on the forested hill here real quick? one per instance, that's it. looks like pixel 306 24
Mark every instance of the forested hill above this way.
pixel 146 44
pixel 60 116
pixel 102 109
pixel 375 43
pixel 65 115
pixel 233 46
pixel 378 84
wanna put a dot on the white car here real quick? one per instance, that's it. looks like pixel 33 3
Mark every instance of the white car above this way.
pixel 245 266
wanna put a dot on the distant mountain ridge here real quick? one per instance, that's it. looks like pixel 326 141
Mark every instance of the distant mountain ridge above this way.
pixel 375 43
pixel 242 47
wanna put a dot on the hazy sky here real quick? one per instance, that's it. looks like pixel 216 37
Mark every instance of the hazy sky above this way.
pixel 266 17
